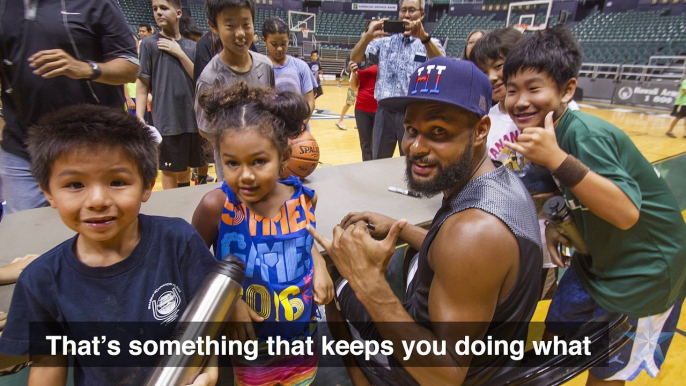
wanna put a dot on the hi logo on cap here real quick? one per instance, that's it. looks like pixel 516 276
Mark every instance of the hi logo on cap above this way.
pixel 427 78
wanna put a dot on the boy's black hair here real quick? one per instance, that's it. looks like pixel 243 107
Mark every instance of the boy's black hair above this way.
pixel 314 52
pixel 147 27
pixel 274 25
pixel 90 127
pixel 494 45
pixel 555 51
pixel 214 7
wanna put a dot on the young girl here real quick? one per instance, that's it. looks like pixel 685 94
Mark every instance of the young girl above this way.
pixel 290 74
pixel 262 221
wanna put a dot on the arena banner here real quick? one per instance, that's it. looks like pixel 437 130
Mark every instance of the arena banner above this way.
pixel 374 7
pixel 656 95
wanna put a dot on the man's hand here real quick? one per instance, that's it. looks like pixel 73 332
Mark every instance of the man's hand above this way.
pixel 130 104
pixel 415 29
pixel 381 224
pixel 375 29
pixel 52 63
pixel 539 145
pixel 356 254
pixel 239 326
pixel 170 46
pixel 552 239
pixel 353 67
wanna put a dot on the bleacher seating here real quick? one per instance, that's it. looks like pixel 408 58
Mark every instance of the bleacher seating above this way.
pixel 631 37
pixel 198 14
pixel 137 12
pixel 456 30
pixel 340 24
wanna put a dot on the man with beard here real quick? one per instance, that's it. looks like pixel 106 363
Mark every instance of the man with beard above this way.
pixel 477 274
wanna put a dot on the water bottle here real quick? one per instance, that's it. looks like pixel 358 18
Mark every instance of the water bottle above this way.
pixel 559 215
pixel 204 317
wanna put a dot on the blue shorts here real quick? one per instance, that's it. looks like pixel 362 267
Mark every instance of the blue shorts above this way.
pixel 650 336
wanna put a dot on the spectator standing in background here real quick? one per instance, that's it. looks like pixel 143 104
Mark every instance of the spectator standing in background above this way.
pixel 363 82
pixel 189 28
pixel 207 47
pixel 145 30
pixel 253 46
pixel 290 74
pixel 472 38
pixel 398 55
pixel 166 71
pixel 44 59
pixel 316 68
pixel 679 111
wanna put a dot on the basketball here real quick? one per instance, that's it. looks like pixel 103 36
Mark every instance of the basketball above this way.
pixel 304 156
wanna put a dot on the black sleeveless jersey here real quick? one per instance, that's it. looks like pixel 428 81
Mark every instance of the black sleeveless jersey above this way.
pixel 501 194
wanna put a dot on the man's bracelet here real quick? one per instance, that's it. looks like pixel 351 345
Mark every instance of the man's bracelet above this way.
pixel 427 40
pixel 571 171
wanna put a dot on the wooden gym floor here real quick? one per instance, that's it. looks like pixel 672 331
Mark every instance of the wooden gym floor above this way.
pixel 645 127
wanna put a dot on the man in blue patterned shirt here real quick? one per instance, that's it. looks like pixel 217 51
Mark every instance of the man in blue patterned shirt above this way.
pixel 399 55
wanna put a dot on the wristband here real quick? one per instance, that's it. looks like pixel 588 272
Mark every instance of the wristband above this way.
pixel 427 40
pixel 570 172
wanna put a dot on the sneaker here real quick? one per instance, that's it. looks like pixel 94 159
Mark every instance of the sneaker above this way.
pixel 341 126
pixel 210 179
pixel 671 135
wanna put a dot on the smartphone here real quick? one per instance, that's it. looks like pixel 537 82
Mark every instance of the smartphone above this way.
pixel 394 27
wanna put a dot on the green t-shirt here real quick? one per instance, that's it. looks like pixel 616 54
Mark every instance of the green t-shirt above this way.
pixel 681 99
pixel 640 271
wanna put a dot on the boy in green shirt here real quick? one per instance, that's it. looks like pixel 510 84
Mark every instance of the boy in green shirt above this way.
pixel 679 109
pixel 628 217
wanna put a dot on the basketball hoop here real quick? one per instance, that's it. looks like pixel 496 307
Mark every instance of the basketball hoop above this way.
pixel 305 31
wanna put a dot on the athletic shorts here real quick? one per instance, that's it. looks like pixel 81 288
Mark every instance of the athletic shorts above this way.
pixel 352 96
pixel 679 111
pixel 651 335
pixel 179 152
pixel 318 91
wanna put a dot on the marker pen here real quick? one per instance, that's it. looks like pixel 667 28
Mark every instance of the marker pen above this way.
pixel 404 191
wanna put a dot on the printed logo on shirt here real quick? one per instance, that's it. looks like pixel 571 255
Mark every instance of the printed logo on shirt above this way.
pixel 165 302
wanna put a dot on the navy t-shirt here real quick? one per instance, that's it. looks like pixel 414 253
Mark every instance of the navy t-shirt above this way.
pixel 153 285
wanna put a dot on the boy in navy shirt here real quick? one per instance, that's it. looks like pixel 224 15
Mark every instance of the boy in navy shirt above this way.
pixel 96 165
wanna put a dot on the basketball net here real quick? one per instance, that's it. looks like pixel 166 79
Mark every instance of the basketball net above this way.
pixel 521 27
pixel 305 31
